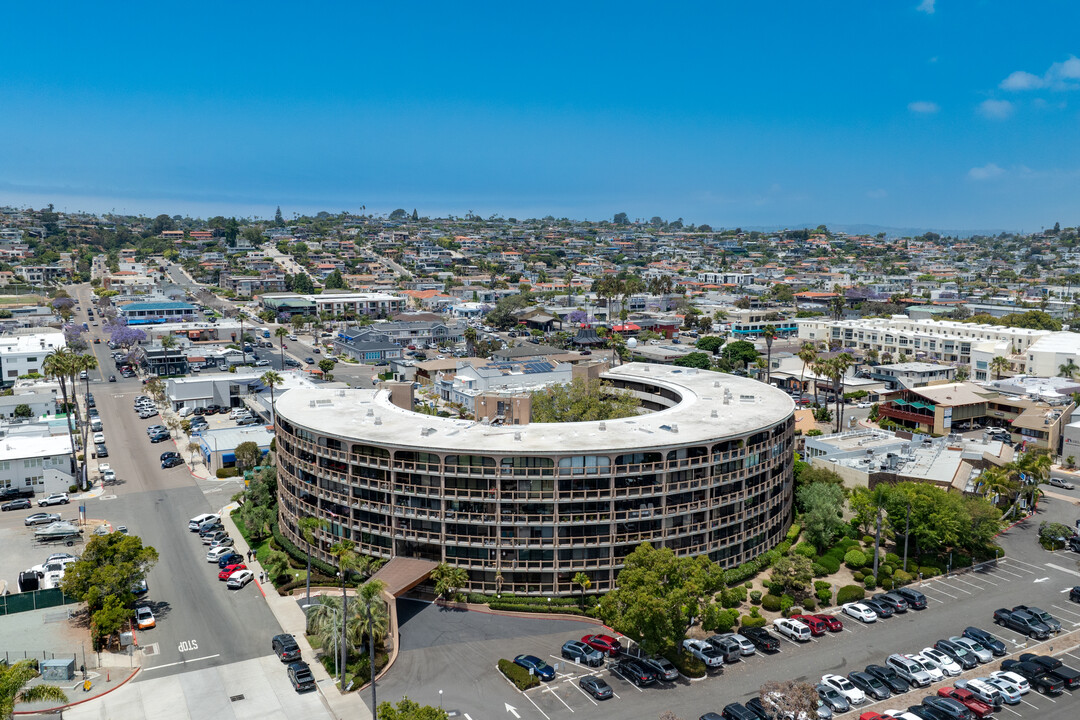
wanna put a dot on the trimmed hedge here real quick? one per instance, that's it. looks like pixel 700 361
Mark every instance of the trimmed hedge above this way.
pixel 824 595
pixel 770 602
pixel 793 532
pixel 929 572
pixel 746 621
pixel 809 603
pixel 870 581
pixel 298 554
pixel 894 559
pixel 686 663
pixel 901 578
pixel 819 570
pixel 830 563
pixel 545 608
pixel 858 576
pixel 855 559
pixel 518 675
pixel 226 472
pixel 755 597
pixel 807 549
pixel 849 593
pixel 887 583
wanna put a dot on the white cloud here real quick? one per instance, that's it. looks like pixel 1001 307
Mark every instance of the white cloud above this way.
pixel 926 6
pixel 923 107
pixel 989 171
pixel 1060 76
pixel 1021 80
pixel 996 109
pixel 877 194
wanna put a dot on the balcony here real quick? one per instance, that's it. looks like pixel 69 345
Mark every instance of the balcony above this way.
pixel 891 412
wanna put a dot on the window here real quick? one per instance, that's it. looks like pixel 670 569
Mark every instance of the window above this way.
pixel 32 463
pixel 584 464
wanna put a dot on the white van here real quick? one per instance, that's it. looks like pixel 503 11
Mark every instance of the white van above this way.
pixel 95 425
pixel 195 522
pixel 185 411
pixel 792 629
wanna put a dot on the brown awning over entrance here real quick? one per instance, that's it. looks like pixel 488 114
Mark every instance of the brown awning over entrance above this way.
pixel 402 574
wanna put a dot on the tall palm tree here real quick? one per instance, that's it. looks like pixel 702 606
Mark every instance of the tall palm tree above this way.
pixel 818 368
pixel 770 335
pixel 375 621
pixel 271 379
pixel 308 526
pixel 168 341
pixel 56 365
pixel 808 355
pixel 1068 369
pixel 13 681
pixel 470 340
pixel 281 333
pixel 999 365
pixel 345 552
pixel 80 364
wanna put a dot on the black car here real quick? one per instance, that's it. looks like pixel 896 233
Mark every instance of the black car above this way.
pixel 882 608
pixel 735 711
pixel 1055 667
pixel 915 599
pixel 757 707
pixel 101 450
pixel 230 559
pixel 870 685
pixel 985 639
pixel 159 437
pixel 948 709
pixel 309 361
pixel 170 460
pixel 285 647
pixel 300 676
pixel 897 603
pixel 636 672
pixel 887 675
pixel 90 402
pixel 21 504
pixel 1074 593
pixel 960 654
pixel 15 493
pixel 761 639
pixel 924 712
pixel 112 378
pixel 210 528
pixel 1037 675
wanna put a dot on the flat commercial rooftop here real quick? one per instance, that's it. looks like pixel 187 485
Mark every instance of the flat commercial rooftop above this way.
pixel 713 405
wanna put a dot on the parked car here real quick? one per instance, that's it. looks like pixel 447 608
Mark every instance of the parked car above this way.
pixel 156 429
pixel 842 685
pixel 728 647
pixel 597 687
pixel 833 699
pixel 636 671
pixel 762 639
pixel 704 652
pixel 948 708
pixel 880 608
pixel 1070 677
pixel 1019 680
pixel 957 652
pixel 230 569
pixel 732 711
pixel 968 700
pixel 604 643
pixel 239 579
pixel 20 504
pixel 171 461
pixel 285 647
pixel 935 658
pixel 870 685
pixel 909 669
pixel 1010 691
pixel 745 646
pixel 197 522
pixel 662 668
pixel 982 690
pixel 144 618
pixel 980 653
pixel 832 622
pixel 896 602
pixel 160 437
pixel 915 599
pixel 859 611
pixel 212 538
pixel 929 665
pixel 217 553
pixel 792 629
pixel 887 675
pixel 101 451
pixel 1036 675
pixel 230 559
pixel 580 652
pixel 1042 616
pixel 41 518
pixel 757 707
pixel 817 627
pixel 300 676
pixel 537 666
pixel 985 639
pixel 54 499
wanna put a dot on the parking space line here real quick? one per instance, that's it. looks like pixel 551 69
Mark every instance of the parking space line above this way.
pixel 957 589
pixel 587 696
pixel 1013 711
pixel 1007 572
pixel 1012 560
pixel 1066 610
pixel 977 587
pixel 1074 657
pixel 1066 570
pixel 954 597
pixel 554 694
pixel 536 706
pixel 1027 703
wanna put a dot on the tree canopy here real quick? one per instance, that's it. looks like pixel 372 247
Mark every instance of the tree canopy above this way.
pixel 582 400
pixel 821 504
pixel 407 709
pixel 698 360
pixel 740 352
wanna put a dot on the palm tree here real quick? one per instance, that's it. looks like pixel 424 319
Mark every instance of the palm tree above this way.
pixel 271 380
pixel 839 366
pixel 470 340
pixel 308 526
pixel 281 333
pixel 999 365
pixel 582 581
pixel 345 552
pixel 1068 369
pixel 449 579
pixel 374 620
pixel 56 365
pixel 770 334
pixel 808 354
pixel 818 368
pixel 13 681
pixel 168 341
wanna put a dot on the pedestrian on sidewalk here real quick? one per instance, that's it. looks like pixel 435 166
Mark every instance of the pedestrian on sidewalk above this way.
pixel 249 554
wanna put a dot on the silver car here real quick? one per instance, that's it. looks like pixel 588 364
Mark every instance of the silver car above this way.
pixel 982 654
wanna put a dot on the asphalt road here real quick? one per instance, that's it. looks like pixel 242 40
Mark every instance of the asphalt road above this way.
pixel 457 653
pixel 199 622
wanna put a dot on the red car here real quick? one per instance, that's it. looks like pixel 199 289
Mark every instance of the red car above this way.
pixel 831 621
pixel 229 570
pixel 965 698
pixel 871 715
pixel 816 626
pixel 604 643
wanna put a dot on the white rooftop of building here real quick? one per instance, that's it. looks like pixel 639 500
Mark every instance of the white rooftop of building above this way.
pixel 913 367
pixel 24 447
pixel 1067 343
pixel 713 405
pixel 27 342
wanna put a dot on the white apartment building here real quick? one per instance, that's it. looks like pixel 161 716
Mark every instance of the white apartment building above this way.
pixel 42 462
pixel 23 353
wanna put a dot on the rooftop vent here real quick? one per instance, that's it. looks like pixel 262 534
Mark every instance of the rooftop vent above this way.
pixel 517 436
pixel 714 413
pixel 603 425
pixel 378 420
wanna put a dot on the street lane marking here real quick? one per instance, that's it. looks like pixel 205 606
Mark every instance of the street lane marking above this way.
pixel 1066 570
pixel 182 662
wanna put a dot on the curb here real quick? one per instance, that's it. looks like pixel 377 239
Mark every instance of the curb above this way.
pixel 470 607
pixel 61 708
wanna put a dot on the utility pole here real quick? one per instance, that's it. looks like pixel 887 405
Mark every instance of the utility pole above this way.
pixel 877 542
pixel 907 528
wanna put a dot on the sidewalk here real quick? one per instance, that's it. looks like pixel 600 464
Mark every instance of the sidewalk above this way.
pixel 103 681
pixel 291 618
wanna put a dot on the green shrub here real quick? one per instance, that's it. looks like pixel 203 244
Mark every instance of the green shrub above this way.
pixel 849 593
pixel 518 675
pixel 831 564
pixel 822 585
pixel 770 602
pixel 793 532
pixel 73 489
pixel 716 619
pixel 748 621
pixel 285 544
pixel 755 597
pixel 807 549
pixel 740 592
pixel 870 581
pixel 729 598
pixel 775 588
pixel 855 559
pixel 748 584
pixel 786 603
pixel 226 472
pixel 868 539
pixel 824 595
pixel 901 578
pixel 819 570
pixel 885 569
pixel 809 603
pixel 686 663
pixel 858 576
pixel 893 559
pixel 886 582
pixel 545 608
pixel 929 572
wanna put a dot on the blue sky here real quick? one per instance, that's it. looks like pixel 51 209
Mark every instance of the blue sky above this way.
pixel 914 113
